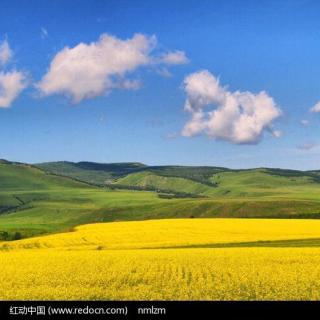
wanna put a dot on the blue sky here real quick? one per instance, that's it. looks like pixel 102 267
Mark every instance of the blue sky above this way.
pixel 250 46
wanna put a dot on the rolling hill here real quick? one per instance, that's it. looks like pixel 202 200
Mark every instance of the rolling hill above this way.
pixel 17 178
pixel 20 176
pixel 193 181
pixel 55 197
pixel 91 172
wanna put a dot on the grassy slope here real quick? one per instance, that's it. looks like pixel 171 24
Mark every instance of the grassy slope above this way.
pixel 60 211
pixel 33 202
pixel 18 176
pixel 102 174
pixel 148 179
pixel 264 183
pixel 91 172
pixel 203 181
pixel 254 183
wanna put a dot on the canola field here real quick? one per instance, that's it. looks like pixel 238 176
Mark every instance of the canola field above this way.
pixel 179 259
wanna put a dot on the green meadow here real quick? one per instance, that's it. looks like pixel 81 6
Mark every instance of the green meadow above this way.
pixel 56 197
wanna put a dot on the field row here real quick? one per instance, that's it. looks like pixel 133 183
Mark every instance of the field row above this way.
pixel 171 274
pixel 175 233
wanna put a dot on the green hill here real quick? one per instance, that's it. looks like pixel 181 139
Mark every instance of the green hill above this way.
pixel 104 174
pixel 91 172
pixel 19 176
pixel 191 181
pixel 20 183
pixel 229 183
pixel 151 181
pixel 50 198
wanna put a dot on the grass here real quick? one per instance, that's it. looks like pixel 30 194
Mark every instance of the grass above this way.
pixel 95 173
pixel 23 177
pixel 257 183
pixel 34 202
pixel 147 179
pixel 204 181
pixel 61 210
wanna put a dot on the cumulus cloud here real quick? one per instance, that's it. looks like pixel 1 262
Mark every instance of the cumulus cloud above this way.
pixel 11 85
pixel 237 117
pixel 90 70
pixel 304 123
pixel 5 53
pixel 175 57
pixel 315 108
pixel 11 82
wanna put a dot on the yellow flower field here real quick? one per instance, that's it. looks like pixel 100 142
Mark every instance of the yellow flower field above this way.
pixel 168 259
pixel 174 233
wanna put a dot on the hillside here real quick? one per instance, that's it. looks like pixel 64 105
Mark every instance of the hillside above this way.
pixel 104 174
pixel 19 182
pixel 201 181
pixel 34 201
pixel 91 172
pixel 160 183
pixel 19 176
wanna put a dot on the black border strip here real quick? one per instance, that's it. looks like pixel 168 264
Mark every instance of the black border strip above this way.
pixel 157 309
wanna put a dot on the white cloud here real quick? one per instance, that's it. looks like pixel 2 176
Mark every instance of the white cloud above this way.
pixel 94 69
pixel 316 107
pixel 5 53
pixel 11 82
pixel 304 122
pixel 44 33
pixel 237 117
pixel 175 57
pixel 90 70
pixel 164 72
pixel 276 133
pixel 11 85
